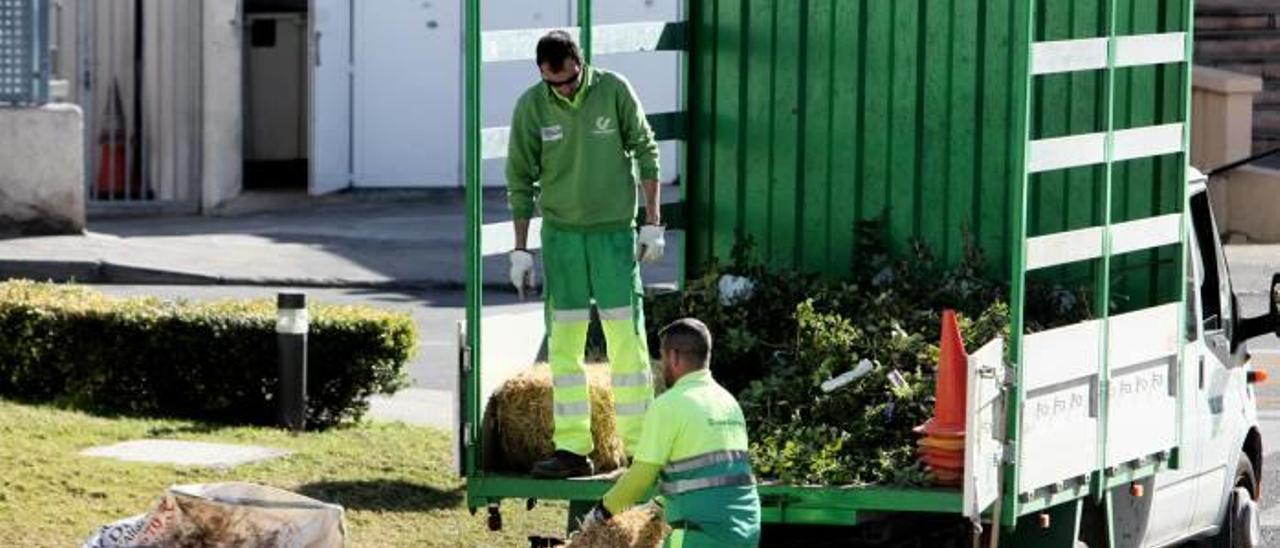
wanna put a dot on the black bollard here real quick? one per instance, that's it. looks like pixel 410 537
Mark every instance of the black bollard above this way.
pixel 291 340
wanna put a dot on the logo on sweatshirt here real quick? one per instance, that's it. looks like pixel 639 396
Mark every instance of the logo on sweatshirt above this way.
pixel 604 126
pixel 552 133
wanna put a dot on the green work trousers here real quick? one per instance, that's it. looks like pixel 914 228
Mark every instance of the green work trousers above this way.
pixel 581 269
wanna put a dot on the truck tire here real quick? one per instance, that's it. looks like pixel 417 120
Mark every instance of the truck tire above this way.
pixel 1241 526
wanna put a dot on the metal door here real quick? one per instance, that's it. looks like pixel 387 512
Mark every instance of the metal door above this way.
pixel 1219 381
pixel 330 95
pixel 984 421
pixel 141 97
pixel 1172 505
pixel 408 104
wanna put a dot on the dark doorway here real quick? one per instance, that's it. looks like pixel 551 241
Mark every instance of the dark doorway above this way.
pixel 276 94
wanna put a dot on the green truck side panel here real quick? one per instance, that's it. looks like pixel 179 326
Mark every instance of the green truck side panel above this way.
pixel 1064 525
pixel 810 115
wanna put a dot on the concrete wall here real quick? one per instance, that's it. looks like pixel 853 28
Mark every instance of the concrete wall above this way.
pixel 1245 200
pixel 1240 36
pixel 1221 116
pixel 222 151
pixel 1252 200
pixel 41 170
pixel 1221 125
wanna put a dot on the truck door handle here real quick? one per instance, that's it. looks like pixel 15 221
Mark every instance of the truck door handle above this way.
pixel 1202 372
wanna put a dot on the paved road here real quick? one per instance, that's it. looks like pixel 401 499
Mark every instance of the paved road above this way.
pixel 394 240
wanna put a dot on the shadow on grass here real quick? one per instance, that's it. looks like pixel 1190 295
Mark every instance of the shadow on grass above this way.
pixel 185 425
pixel 383 495
pixel 193 428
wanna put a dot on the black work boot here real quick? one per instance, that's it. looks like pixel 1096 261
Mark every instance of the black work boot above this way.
pixel 563 464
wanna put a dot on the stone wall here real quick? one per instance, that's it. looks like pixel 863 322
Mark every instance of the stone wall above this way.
pixel 41 170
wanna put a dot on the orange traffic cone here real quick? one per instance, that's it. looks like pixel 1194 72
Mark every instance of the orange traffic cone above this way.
pixel 119 171
pixel 941 448
pixel 950 444
pixel 949 391
pixel 950 460
pixel 945 478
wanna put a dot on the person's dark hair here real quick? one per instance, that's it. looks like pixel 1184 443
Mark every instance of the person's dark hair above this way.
pixel 557 47
pixel 689 338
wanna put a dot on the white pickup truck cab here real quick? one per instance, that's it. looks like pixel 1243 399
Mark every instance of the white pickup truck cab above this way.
pixel 1214 493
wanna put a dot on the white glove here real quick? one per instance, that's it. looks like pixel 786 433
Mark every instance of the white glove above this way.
pixel 522 274
pixel 651 244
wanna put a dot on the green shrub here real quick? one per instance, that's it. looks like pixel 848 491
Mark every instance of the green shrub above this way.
pixel 775 347
pixel 209 360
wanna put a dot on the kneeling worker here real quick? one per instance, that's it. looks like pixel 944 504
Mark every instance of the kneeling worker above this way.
pixel 694 444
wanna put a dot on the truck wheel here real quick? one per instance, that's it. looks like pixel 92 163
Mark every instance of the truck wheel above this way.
pixel 495 518
pixel 1241 526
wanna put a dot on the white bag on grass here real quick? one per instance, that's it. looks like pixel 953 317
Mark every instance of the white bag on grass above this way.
pixel 228 514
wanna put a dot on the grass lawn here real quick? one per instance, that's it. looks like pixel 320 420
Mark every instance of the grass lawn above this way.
pixel 396 481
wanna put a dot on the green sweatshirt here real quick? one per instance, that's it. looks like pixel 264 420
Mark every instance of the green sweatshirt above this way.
pixel 575 157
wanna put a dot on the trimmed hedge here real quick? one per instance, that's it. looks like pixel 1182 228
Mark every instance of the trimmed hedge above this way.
pixel 212 361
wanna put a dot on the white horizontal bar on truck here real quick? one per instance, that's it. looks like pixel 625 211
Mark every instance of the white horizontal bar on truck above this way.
pixel 1086 243
pixel 493 142
pixel 515 45
pixel 1147 233
pixel 1067 152
pixel 1091 148
pixel 1068 55
pixel 667 126
pixel 1059 56
pixel 1151 49
pixel 1064 247
pixel 1145 142
pixel 637 37
pixel 521 44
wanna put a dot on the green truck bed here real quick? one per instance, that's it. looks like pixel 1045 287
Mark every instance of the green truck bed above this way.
pixel 1054 136
pixel 789 504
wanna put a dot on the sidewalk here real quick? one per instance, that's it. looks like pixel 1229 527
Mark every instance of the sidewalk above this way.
pixel 382 239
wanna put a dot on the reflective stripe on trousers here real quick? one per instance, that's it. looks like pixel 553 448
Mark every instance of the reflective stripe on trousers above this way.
pixel 571 395
pixel 573 409
pixel 579 315
pixel 632 379
pixel 569 381
pixel 636 409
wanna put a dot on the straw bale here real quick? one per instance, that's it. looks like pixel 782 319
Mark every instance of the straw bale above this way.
pixel 639 527
pixel 519 419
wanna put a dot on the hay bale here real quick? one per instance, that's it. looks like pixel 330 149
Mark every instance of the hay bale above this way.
pixel 517 424
pixel 519 419
pixel 639 527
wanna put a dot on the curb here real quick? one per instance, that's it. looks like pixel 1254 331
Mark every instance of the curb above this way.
pixel 109 273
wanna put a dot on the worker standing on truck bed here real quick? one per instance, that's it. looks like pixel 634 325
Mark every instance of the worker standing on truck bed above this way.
pixel 694 444
pixel 575 140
